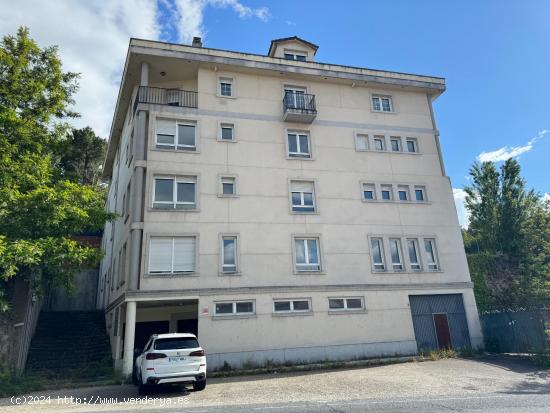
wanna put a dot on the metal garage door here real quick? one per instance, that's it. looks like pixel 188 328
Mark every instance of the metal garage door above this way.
pixel 436 317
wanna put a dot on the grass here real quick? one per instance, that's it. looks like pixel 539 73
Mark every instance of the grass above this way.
pixel 91 375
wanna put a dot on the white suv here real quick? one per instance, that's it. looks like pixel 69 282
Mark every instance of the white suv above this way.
pixel 168 359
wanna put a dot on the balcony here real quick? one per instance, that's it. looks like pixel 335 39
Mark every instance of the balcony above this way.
pixel 299 107
pixel 168 97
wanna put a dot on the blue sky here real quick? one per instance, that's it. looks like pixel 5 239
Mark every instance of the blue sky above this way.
pixel 495 56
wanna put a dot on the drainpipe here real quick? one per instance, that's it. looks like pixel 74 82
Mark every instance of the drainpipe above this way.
pixel 436 134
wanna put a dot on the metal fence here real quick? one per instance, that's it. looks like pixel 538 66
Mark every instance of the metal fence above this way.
pixel 516 331
pixel 169 97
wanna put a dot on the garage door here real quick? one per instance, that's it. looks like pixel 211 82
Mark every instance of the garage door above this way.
pixel 439 321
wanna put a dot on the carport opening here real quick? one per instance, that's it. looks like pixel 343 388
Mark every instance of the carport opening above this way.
pixel 160 317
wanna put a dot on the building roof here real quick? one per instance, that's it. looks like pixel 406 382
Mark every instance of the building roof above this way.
pixel 274 43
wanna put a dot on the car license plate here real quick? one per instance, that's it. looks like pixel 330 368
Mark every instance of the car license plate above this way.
pixel 176 359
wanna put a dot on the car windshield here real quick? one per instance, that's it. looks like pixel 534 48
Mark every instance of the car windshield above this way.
pixel 176 343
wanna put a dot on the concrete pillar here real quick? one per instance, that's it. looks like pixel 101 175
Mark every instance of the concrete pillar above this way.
pixel 144 74
pixel 129 335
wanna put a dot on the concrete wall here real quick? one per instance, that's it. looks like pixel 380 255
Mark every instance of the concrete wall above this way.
pixel 83 298
pixel 17 326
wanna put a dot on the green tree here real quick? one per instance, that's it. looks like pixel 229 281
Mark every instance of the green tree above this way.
pixel 81 156
pixel 40 210
pixel 502 240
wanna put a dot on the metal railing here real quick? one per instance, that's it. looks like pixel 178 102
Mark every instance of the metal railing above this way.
pixel 299 101
pixel 169 97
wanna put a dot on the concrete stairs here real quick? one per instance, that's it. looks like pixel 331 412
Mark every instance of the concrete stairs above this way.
pixel 75 340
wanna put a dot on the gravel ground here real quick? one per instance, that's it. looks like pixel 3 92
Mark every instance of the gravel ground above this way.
pixel 495 375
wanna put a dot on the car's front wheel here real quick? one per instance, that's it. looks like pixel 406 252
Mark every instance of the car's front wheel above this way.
pixel 199 385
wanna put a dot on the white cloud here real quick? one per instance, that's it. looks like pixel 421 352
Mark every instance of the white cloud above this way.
pixel 507 152
pixel 191 15
pixel 463 215
pixel 93 39
pixel 546 197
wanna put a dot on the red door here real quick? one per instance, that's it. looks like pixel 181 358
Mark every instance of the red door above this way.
pixel 442 330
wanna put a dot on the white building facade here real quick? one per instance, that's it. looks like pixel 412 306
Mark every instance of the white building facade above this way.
pixel 279 208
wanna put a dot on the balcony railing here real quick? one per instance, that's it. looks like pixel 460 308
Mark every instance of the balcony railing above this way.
pixel 169 97
pixel 299 107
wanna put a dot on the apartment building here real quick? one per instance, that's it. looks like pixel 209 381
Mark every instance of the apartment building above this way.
pixel 281 208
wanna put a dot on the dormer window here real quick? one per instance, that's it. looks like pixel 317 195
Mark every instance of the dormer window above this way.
pixel 295 56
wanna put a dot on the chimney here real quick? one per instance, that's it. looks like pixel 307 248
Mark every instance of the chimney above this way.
pixel 197 42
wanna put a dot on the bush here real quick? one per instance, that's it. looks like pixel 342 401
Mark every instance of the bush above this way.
pixel 542 359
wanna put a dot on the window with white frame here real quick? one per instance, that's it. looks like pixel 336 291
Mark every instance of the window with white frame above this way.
pixel 379 143
pixel 176 135
pixel 228 186
pixel 295 97
pixel 403 192
pixel 229 254
pixel 226 86
pixel 298 145
pixel 295 56
pixel 346 304
pixel 382 104
pixel 412 145
pixel 292 306
pixel 175 192
pixel 303 196
pixel 395 253
pixel 395 143
pixel 362 142
pixel 122 264
pixel 234 308
pixel 414 254
pixel 306 253
pixel 369 192
pixel 172 255
pixel 227 131
pixel 420 193
pixel 431 254
pixel 386 192
pixel 377 254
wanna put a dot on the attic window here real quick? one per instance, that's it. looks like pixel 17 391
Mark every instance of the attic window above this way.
pixel 295 56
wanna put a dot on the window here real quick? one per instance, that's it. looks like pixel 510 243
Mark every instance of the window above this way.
pixel 420 193
pixel 228 186
pixel 377 254
pixel 126 202
pixel 412 246
pixel 234 308
pixel 298 145
pixel 292 306
pixel 172 255
pixel 345 304
pixel 369 192
pixel 295 98
pixel 295 56
pixel 382 104
pixel 403 192
pixel 387 192
pixel 412 145
pixel 122 263
pixel 362 142
pixel 175 135
pixel 379 143
pixel 431 254
pixel 229 254
pixel 395 252
pixel 227 132
pixel 226 86
pixel 130 148
pixel 306 251
pixel 175 193
pixel 302 196
pixel 395 143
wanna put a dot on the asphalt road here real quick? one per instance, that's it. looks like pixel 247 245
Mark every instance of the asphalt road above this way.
pixel 489 384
